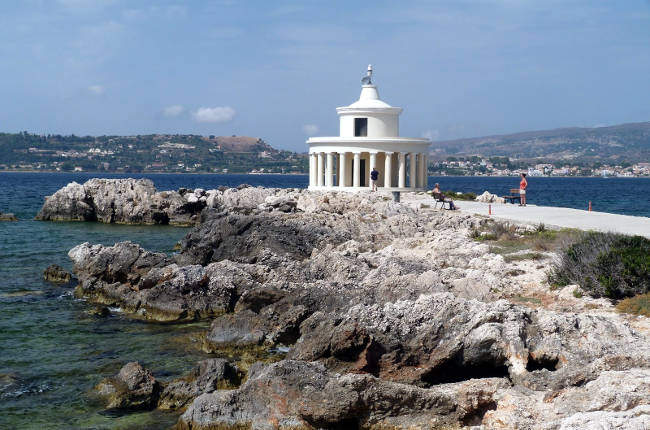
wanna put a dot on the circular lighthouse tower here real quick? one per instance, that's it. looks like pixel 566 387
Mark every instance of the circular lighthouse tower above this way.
pixel 368 138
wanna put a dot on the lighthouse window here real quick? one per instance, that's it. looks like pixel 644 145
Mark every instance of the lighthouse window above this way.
pixel 361 126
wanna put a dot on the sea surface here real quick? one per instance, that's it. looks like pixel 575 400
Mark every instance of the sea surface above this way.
pixel 53 350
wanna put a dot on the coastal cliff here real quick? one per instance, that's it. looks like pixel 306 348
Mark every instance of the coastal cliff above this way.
pixel 355 312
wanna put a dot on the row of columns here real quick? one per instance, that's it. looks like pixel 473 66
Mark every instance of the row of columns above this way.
pixel 321 169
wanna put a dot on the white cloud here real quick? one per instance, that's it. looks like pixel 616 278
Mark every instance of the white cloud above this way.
pixel 310 129
pixel 173 111
pixel 96 90
pixel 213 114
pixel 431 135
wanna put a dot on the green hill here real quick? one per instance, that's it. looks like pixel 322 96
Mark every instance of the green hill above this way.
pixel 145 153
pixel 619 143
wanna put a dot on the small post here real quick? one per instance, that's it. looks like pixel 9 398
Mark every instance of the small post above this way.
pixel 489 209
pixel 589 205
pixel 396 196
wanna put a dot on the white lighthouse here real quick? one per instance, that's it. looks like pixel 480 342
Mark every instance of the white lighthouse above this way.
pixel 368 138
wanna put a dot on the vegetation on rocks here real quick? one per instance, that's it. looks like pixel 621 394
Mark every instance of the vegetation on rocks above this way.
pixel 637 305
pixel 605 265
pixel 365 313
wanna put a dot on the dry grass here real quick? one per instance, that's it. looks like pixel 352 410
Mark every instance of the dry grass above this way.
pixel 523 299
pixel 521 257
pixel 637 305
pixel 508 240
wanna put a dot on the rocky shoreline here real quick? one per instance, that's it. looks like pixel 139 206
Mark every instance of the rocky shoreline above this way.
pixel 386 316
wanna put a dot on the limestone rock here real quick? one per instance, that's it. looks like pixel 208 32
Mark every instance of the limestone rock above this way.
pixel 247 238
pixel 391 318
pixel 134 387
pixel 126 201
pixel 56 274
pixel 7 217
pixel 487 197
pixel 150 284
pixel 206 377
pixel 300 395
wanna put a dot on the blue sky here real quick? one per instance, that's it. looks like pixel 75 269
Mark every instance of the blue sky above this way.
pixel 278 69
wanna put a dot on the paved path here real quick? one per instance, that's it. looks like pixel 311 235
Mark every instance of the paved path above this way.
pixel 562 217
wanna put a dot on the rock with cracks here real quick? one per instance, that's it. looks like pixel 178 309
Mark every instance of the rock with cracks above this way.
pixel 134 387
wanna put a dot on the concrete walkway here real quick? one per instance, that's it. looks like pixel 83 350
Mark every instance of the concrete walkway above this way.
pixel 561 217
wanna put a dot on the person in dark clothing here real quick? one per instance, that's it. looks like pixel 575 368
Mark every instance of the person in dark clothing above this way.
pixel 374 177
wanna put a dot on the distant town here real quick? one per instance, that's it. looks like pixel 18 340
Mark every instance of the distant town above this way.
pixel 504 166
pixel 163 153
pixel 146 153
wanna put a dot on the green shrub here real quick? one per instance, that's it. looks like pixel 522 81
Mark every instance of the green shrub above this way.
pixel 605 265
pixel 459 196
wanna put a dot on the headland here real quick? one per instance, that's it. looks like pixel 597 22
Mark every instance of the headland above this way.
pixel 344 310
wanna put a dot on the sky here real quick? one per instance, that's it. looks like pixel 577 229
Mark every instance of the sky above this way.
pixel 278 69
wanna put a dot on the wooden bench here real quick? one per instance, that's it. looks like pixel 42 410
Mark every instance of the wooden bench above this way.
pixel 514 195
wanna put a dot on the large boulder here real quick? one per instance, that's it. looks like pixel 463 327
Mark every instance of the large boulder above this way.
pixel 154 287
pixel 206 377
pixel 134 387
pixel 488 197
pixel 70 203
pixel 440 338
pixel 251 238
pixel 125 201
pixel 300 395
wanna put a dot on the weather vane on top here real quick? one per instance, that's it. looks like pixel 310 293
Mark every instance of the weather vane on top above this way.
pixel 366 80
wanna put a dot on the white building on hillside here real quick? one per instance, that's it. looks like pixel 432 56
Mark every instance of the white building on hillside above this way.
pixel 369 137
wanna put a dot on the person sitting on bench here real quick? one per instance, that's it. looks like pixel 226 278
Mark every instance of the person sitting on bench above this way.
pixel 439 196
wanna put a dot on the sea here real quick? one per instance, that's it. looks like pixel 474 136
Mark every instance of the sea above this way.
pixel 54 349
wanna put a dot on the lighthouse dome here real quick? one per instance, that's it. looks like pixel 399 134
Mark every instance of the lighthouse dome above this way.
pixel 369 98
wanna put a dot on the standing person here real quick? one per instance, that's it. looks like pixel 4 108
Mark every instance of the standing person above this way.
pixel 374 176
pixel 523 184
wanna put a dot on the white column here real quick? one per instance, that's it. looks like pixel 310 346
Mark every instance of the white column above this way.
pixel 312 170
pixel 343 175
pixel 373 165
pixel 388 169
pixel 320 169
pixel 425 171
pixel 402 171
pixel 422 182
pixel 413 173
pixel 329 172
pixel 357 170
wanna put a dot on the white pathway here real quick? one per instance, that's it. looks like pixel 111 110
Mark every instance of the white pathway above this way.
pixel 561 217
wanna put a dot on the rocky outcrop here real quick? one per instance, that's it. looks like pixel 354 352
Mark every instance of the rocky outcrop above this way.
pixel 206 377
pixel 154 287
pixel 134 387
pixel 301 395
pixel 390 317
pixel 7 217
pixel 441 338
pixel 487 197
pixel 249 238
pixel 57 274
pixel 126 201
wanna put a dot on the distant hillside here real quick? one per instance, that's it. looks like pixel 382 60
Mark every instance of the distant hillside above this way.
pixel 626 142
pixel 145 153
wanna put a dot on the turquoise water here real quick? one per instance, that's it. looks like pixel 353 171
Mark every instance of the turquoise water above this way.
pixel 53 351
